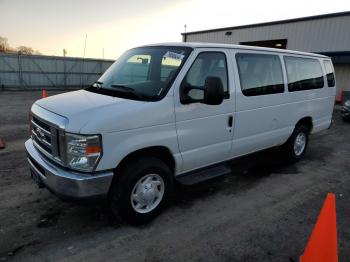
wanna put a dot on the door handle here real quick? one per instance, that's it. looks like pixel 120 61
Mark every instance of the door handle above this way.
pixel 230 121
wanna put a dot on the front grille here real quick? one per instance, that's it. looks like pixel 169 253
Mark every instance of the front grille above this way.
pixel 45 138
pixel 42 124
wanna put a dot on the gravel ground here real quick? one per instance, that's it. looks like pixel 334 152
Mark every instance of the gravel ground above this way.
pixel 264 211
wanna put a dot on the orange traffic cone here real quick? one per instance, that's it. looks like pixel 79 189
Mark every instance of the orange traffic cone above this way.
pixel 44 95
pixel 322 245
pixel 340 96
pixel 2 144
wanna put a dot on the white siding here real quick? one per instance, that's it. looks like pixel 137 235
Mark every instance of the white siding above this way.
pixel 342 74
pixel 319 35
pixel 330 34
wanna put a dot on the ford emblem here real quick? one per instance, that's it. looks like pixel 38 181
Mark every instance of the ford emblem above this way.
pixel 40 133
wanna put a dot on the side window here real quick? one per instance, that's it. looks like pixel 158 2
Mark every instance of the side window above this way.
pixel 329 73
pixel 303 73
pixel 260 74
pixel 136 69
pixel 206 64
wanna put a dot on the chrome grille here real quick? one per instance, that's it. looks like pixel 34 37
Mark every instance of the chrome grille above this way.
pixel 45 138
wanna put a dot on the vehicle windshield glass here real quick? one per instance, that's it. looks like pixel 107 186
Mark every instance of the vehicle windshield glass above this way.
pixel 144 73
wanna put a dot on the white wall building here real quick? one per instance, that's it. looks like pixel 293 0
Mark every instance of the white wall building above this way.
pixel 327 34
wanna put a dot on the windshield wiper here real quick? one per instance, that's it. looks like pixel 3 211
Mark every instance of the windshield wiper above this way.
pixel 99 88
pixel 128 90
pixel 123 87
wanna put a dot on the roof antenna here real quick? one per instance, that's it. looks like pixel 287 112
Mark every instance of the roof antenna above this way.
pixel 185 26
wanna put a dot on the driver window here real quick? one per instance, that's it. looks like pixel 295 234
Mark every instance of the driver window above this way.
pixel 206 64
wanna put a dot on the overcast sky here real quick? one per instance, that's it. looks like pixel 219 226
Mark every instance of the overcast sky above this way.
pixel 117 25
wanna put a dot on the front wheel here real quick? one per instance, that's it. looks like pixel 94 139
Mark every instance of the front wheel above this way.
pixel 141 190
pixel 296 145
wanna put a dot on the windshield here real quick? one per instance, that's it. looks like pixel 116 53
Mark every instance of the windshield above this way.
pixel 144 73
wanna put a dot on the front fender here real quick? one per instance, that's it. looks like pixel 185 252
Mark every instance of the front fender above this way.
pixel 118 145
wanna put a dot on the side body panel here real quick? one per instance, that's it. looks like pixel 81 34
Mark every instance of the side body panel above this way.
pixel 204 136
pixel 268 120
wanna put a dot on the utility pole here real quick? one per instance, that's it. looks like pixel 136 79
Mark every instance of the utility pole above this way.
pixel 82 63
pixel 184 36
pixel 85 46
pixel 64 68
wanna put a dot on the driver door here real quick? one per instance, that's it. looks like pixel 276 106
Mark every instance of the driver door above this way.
pixel 205 131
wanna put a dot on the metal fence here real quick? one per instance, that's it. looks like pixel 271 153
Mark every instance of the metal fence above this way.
pixel 38 71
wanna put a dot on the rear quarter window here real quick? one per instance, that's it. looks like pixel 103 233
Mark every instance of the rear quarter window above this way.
pixel 329 73
pixel 303 73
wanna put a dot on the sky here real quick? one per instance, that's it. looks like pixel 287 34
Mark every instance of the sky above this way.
pixel 113 26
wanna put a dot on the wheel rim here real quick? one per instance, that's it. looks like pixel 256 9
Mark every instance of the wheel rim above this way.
pixel 147 193
pixel 300 143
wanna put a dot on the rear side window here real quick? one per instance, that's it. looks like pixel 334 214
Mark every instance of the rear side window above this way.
pixel 303 73
pixel 260 74
pixel 329 73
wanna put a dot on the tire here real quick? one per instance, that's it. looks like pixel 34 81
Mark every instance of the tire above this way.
pixel 142 189
pixel 296 145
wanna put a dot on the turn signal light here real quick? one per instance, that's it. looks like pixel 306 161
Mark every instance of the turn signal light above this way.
pixel 93 150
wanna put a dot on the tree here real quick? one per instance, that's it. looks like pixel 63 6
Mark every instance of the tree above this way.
pixel 25 50
pixel 4 45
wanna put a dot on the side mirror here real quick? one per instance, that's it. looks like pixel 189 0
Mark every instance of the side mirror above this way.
pixel 213 91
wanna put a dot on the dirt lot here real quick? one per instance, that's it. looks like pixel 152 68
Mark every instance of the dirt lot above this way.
pixel 264 211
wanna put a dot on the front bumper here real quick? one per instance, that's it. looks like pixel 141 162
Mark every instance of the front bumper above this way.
pixel 67 183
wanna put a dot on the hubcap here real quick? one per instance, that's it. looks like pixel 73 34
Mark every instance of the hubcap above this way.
pixel 299 144
pixel 147 193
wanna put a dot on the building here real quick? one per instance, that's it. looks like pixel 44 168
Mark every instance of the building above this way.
pixel 327 34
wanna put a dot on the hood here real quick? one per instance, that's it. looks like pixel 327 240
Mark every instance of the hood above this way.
pixel 92 113
pixel 76 102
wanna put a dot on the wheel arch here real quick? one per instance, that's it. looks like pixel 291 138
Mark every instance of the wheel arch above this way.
pixel 306 121
pixel 161 152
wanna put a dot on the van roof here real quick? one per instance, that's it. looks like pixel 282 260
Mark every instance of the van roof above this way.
pixel 230 46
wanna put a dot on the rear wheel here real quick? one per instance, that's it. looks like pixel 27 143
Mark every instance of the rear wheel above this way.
pixel 141 190
pixel 296 145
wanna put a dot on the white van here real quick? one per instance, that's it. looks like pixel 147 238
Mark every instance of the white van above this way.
pixel 176 111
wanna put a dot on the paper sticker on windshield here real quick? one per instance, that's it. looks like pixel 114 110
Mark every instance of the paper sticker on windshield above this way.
pixel 173 55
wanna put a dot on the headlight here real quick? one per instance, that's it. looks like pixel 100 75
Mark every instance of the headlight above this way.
pixel 83 152
pixel 347 103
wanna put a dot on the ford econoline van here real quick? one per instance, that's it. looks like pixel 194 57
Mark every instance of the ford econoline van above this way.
pixel 176 112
